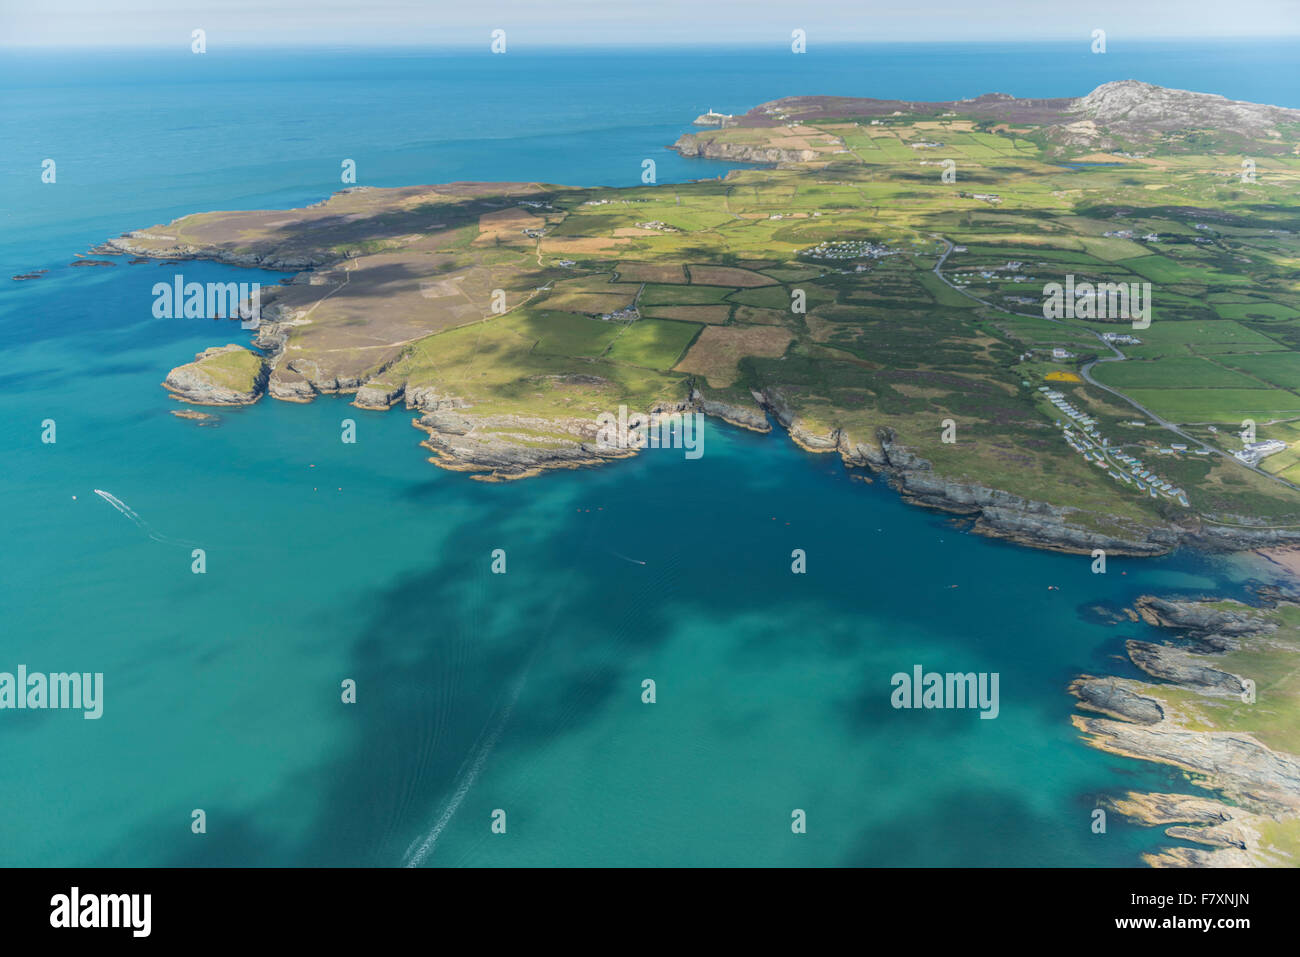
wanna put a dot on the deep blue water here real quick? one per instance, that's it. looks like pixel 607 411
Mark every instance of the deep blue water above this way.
pixel 477 691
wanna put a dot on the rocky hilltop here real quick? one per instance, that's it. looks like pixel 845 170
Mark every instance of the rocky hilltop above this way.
pixel 1141 112
pixel 1123 113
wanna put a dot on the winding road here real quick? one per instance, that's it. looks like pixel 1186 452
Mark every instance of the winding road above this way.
pixel 1086 370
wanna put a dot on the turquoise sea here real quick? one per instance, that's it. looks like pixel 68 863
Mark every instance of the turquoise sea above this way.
pixel 476 691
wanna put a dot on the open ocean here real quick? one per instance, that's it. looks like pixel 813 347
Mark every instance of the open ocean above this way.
pixel 476 691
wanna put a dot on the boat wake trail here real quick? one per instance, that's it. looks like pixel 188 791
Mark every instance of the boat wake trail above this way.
pixel 468 775
pixel 634 561
pixel 140 523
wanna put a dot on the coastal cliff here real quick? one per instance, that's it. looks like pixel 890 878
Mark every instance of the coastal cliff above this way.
pixel 1218 687
pixel 693 145
pixel 999 514
pixel 507 447
pixel 222 375
pixel 172 248
pixel 511 446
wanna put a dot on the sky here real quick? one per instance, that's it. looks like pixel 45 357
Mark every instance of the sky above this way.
pixel 538 23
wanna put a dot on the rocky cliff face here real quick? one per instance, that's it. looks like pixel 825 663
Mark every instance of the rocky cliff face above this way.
pixel 1111 697
pixel 1221 538
pixel 1229 832
pixel 222 375
pixel 173 248
pixel 289 386
pixel 1202 620
pixel 692 145
pixel 376 396
pixel 1263 783
pixel 996 513
pixel 1237 764
pixel 1182 667
pixel 743 416
pixel 1000 514
pixel 507 447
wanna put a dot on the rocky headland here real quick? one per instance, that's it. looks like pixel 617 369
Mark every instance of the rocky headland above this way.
pixel 221 375
pixel 1217 688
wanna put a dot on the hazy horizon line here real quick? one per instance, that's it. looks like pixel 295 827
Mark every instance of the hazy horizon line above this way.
pixel 183 44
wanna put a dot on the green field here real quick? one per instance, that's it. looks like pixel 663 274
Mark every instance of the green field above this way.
pixel 568 334
pixel 653 343
pixel 1162 269
pixel 670 295
pixel 1260 311
pixel 1170 374
pixel 1216 405
pixel 1279 369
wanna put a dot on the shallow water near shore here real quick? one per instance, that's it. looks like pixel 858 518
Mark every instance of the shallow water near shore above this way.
pixel 475 691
